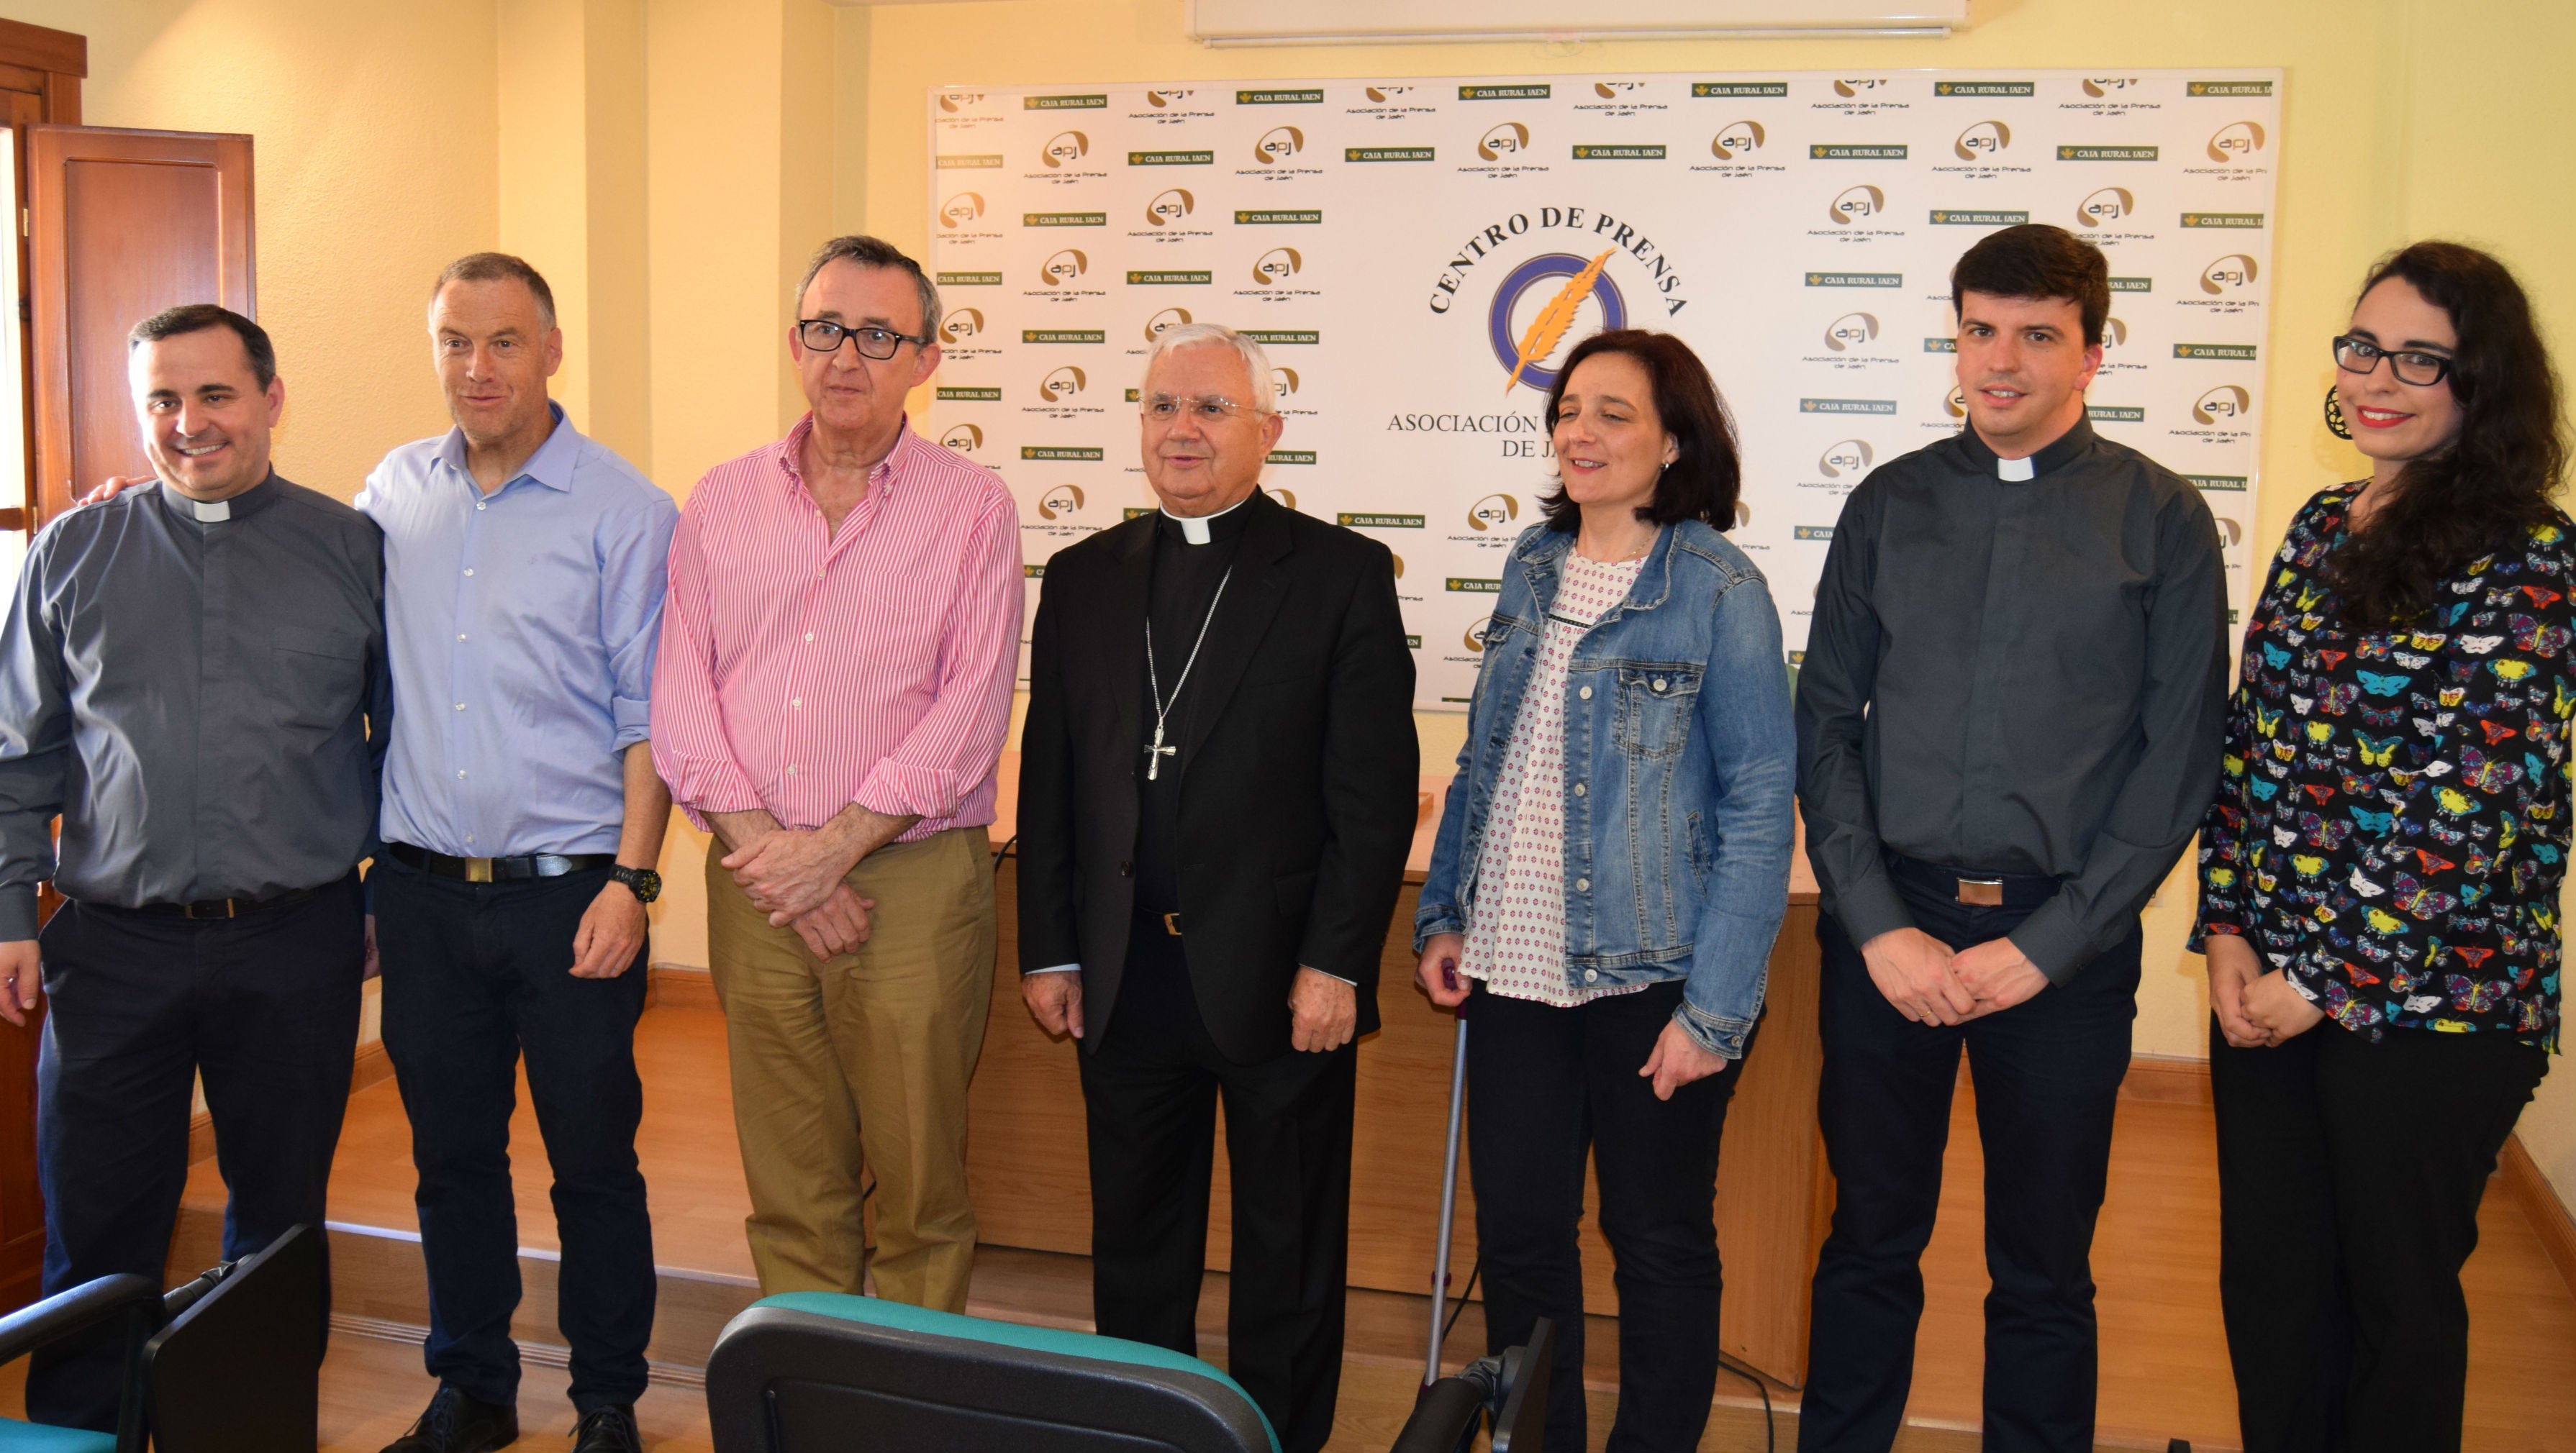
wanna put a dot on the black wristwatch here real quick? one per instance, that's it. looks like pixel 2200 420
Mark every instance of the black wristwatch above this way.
pixel 644 883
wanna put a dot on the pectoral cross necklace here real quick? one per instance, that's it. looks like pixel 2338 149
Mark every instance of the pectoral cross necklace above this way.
pixel 1155 752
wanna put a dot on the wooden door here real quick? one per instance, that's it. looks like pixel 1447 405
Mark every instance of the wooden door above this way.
pixel 40 81
pixel 124 224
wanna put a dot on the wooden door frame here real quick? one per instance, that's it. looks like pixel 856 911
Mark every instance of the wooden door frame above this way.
pixel 59 62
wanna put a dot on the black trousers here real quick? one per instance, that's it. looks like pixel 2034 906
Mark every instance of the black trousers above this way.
pixel 1149 1095
pixel 2349 1175
pixel 265 1009
pixel 1544 1087
pixel 2047 1075
pixel 475 974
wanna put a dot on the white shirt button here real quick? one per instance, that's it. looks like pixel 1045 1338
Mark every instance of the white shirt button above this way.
pixel 809 635
pixel 460 706
pixel 797 702
pixel 791 771
pixel 460 635
pixel 469 837
pixel 460 771
pixel 478 504
pixel 469 569
pixel 1581 885
pixel 1578 787
pixel 1591 976
pixel 1585 693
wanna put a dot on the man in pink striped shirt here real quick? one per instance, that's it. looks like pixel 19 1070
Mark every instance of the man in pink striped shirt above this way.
pixel 838 650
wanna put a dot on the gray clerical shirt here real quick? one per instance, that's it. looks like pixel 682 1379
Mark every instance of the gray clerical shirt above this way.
pixel 2014 676
pixel 192 696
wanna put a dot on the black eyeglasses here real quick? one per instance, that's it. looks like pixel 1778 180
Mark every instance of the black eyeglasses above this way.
pixel 822 335
pixel 2360 355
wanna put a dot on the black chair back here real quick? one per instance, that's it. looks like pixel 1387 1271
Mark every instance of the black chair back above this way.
pixel 238 1369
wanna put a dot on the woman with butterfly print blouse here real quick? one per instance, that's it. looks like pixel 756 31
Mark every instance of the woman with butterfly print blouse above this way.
pixel 2380 870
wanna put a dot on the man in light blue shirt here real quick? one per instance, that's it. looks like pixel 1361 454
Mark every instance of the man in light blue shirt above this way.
pixel 522 819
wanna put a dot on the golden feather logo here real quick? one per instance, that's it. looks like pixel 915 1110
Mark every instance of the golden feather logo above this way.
pixel 1548 328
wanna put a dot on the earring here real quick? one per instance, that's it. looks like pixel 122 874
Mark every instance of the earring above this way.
pixel 2334 415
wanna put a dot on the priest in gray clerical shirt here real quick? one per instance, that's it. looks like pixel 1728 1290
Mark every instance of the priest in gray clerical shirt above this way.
pixel 192 677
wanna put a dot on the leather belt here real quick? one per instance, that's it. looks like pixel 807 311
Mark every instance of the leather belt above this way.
pixel 1972 888
pixel 211 908
pixel 497 870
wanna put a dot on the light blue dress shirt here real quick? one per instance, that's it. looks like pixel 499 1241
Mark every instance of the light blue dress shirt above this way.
pixel 522 627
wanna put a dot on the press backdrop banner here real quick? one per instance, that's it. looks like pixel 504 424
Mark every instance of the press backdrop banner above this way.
pixel 1398 247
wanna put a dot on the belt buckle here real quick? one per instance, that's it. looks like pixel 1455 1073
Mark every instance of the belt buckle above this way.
pixel 477 870
pixel 1982 892
pixel 210 904
pixel 1172 924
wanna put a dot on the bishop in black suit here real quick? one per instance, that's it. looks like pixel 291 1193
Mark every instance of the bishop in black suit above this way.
pixel 1212 834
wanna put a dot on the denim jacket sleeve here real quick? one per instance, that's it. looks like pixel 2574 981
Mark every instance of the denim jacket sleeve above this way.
pixel 1745 726
pixel 1439 910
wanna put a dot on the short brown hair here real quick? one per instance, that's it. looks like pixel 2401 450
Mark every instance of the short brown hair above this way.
pixel 875 252
pixel 197 318
pixel 2040 262
pixel 493 267
pixel 1706 476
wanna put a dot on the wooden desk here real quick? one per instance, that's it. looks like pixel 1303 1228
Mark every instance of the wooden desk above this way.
pixel 1027 1170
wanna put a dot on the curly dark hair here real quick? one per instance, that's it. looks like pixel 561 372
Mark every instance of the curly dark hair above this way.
pixel 1707 475
pixel 2495 478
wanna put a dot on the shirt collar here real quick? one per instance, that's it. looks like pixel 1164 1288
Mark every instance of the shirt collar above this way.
pixel 885 476
pixel 550 466
pixel 241 506
pixel 1201 529
pixel 2061 451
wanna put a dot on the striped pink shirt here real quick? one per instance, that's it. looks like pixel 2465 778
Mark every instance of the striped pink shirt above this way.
pixel 802 671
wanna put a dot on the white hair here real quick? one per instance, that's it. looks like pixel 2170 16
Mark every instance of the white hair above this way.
pixel 1255 360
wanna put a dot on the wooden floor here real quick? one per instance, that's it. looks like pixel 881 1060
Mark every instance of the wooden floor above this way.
pixel 2165 1372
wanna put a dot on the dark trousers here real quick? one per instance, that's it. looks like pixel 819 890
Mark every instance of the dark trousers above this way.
pixel 2349 1175
pixel 265 1009
pixel 476 973
pixel 2047 1075
pixel 1544 1087
pixel 1149 1095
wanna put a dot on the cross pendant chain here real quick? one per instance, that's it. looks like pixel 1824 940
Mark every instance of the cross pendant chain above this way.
pixel 1155 752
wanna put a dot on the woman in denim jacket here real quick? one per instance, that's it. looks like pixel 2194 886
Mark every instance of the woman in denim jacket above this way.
pixel 1611 868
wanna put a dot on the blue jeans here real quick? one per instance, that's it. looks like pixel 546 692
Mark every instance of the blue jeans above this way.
pixel 474 974
pixel 2047 1075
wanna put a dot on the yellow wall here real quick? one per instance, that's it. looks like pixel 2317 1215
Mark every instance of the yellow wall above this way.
pixel 376 161
pixel 2402 118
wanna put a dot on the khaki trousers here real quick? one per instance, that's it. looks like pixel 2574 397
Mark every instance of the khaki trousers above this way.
pixel 861 1059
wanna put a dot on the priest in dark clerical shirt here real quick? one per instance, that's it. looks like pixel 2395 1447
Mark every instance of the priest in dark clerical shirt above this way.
pixel 2008 729
pixel 1217 789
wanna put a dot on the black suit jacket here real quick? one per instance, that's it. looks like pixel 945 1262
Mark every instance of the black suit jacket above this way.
pixel 1298 761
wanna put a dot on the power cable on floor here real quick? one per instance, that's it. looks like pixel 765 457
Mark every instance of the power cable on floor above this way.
pixel 1770 1432
pixel 1463 1293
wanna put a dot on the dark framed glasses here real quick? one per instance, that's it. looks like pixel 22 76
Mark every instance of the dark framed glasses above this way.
pixel 822 335
pixel 2360 355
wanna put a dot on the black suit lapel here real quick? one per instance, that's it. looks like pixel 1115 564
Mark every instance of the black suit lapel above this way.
pixel 1121 636
pixel 1252 597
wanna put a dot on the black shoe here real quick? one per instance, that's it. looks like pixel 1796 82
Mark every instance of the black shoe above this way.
pixel 455 1423
pixel 607 1430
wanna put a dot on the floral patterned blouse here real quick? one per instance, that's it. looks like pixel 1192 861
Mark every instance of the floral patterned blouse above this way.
pixel 2392 824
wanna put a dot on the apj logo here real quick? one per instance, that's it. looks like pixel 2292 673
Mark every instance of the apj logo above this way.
pixel 1848 459
pixel 2105 207
pixel 2237 142
pixel 1168 318
pixel 1613 90
pixel 2099 87
pixel 1736 141
pixel 1065 148
pixel 1274 268
pixel 961 324
pixel 1508 138
pixel 1525 351
pixel 2114 332
pixel 964 438
pixel 1169 207
pixel 1850 331
pixel 1384 94
pixel 1277 145
pixel 961 209
pixel 1982 142
pixel 1475 637
pixel 955 101
pixel 1856 204
pixel 2232 273
pixel 1493 512
pixel 1063 500
pixel 1856 86
pixel 1283 382
pixel 1956 404
pixel 2222 404
pixel 1061 384
pixel 1160 99
pixel 1063 269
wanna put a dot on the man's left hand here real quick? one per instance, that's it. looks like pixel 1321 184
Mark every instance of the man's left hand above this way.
pixel 611 931
pixel 1322 1010
pixel 790 872
pixel 1998 974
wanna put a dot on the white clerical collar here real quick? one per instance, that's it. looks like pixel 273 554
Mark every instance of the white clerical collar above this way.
pixel 1194 528
pixel 2016 471
pixel 208 514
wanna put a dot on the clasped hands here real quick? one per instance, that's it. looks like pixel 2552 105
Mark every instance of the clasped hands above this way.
pixel 796 875
pixel 2255 1009
pixel 1929 984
